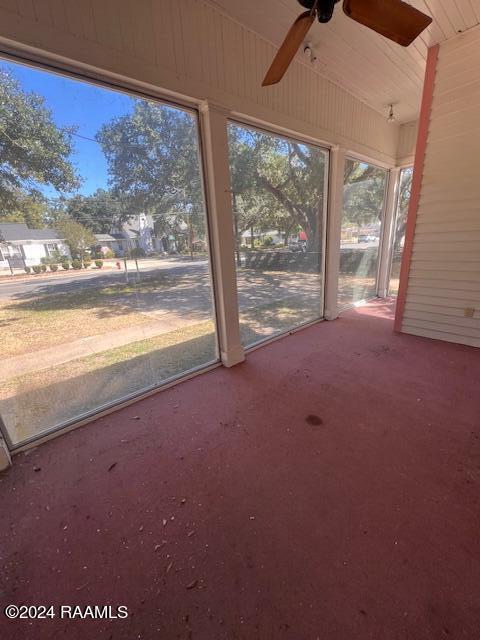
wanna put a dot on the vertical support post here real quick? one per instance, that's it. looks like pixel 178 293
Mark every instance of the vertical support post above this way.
pixel 5 460
pixel 420 149
pixel 334 231
pixel 387 233
pixel 215 145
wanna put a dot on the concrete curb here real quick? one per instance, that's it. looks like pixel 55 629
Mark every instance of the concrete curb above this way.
pixel 51 275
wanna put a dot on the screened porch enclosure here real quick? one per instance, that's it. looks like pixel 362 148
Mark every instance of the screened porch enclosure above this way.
pixel 239 320
pixel 133 289
pixel 123 301
pixel 279 195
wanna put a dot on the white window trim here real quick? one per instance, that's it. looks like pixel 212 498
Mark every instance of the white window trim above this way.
pixel 381 248
pixel 289 135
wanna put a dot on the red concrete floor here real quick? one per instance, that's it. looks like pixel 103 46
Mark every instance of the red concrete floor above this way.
pixel 224 512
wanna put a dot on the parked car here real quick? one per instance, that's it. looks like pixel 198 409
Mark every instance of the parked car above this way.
pixel 297 246
pixel 366 238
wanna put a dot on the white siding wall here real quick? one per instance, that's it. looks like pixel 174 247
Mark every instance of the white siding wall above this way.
pixel 191 47
pixel 34 253
pixel 407 141
pixel 444 275
pixel 3 254
pixel 8 251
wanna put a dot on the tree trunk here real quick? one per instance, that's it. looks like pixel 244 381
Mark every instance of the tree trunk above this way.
pixel 235 222
pixel 190 236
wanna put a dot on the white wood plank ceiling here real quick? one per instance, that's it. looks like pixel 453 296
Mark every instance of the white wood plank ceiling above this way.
pixel 374 69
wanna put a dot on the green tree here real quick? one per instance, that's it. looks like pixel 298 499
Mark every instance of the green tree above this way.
pixel 277 183
pixel 33 149
pixel 98 211
pixel 152 155
pixel 77 237
pixel 31 210
pixel 363 193
pixel 404 193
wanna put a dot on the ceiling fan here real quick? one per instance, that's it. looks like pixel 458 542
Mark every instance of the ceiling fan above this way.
pixel 393 19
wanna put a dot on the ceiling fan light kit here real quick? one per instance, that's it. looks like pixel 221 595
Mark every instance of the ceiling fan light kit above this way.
pixel 391 116
pixel 309 53
pixel 393 19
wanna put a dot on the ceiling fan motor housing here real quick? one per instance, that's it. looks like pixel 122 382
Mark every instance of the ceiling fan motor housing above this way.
pixel 324 8
pixel 393 19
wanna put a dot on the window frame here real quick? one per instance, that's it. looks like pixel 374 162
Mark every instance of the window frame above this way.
pixel 16 251
pixel 388 172
pixel 49 250
pixel 394 223
pixel 249 123
pixel 119 84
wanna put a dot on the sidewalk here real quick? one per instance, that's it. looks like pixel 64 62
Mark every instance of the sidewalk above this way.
pixel 62 353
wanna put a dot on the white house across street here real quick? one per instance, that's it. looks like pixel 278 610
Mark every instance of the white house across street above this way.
pixel 22 247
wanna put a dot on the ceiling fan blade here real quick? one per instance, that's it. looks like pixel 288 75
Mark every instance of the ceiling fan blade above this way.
pixel 393 19
pixel 289 48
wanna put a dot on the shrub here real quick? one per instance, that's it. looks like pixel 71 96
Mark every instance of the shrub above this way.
pixel 99 263
pixel 27 270
pixel 66 265
pixel 76 264
pixel 43 267
pixel 98 255
pixel 52 259
pixel 109 254
pixel 53 267
pixel 87 262
pixel 37 268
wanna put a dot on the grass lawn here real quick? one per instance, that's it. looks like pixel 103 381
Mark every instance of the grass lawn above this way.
pixel 47 319
pixel 36 401
pixel 268 320
pixel 352 288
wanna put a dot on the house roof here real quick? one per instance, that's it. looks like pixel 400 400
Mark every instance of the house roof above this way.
pixel 130 233
pixel 18 231
pixel 125 234
pixel 104 237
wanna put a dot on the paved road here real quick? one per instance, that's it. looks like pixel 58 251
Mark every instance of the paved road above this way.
pixel 192 295
pixel 67 283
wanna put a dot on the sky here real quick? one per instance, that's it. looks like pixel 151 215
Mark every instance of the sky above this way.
pixel 73 102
